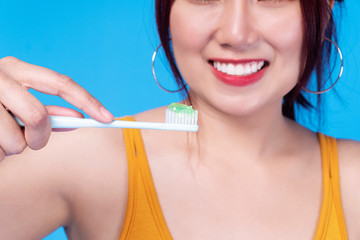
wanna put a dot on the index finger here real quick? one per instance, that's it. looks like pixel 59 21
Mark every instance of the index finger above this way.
pixel 50 82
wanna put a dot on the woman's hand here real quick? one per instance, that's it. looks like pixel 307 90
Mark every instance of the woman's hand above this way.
pixel 16 77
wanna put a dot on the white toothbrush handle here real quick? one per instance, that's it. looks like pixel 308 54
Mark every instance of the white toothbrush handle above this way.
pixel 72 122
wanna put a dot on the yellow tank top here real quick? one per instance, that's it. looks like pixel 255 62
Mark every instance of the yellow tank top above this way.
pixel 144 218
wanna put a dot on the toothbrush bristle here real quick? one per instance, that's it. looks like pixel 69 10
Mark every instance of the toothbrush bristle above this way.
pixel 181 118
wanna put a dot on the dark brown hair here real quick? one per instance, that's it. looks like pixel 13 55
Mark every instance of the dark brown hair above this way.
pixel 317 22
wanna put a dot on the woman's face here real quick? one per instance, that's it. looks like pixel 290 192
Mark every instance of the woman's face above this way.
pixel 238 56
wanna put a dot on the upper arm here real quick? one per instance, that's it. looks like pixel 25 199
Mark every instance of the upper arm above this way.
pixel 78 177
pixel 31 200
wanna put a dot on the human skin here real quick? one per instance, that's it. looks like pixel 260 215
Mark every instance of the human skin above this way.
pixel 250 173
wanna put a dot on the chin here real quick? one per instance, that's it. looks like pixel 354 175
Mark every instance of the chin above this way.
pixel 240 110
pixel 234 107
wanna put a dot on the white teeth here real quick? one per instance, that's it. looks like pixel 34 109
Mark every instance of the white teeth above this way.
pixel 247 69
pixel 231 69
pixel 254 67
pixel 239 69
pixel 223 68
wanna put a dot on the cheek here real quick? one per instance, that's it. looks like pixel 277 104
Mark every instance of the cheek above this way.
pixel 286 36
pixel 189 29
pixel 181 28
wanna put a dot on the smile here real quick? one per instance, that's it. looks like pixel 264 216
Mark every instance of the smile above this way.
pixel 239 69
pixel 239 73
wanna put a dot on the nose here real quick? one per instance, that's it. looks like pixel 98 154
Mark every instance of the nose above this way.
pixel 236 26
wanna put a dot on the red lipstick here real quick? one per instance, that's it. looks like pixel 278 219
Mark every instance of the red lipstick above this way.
pixel 239 81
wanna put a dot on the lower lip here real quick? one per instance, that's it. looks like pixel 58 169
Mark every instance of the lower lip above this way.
pixel 239 81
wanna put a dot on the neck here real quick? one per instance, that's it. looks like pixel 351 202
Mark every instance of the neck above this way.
pixel 253 136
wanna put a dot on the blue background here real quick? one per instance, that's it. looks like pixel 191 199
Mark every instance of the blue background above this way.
pixel 106 46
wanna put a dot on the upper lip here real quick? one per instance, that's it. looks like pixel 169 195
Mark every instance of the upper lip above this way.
pixel 237 61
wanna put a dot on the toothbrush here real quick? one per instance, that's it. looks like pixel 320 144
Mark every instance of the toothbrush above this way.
pixel 179 117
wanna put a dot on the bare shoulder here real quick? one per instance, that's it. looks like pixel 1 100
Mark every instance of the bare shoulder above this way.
pixel 154 115
pixel 349 158
pixel 164 149
pixel 159 142
pixel 155 140
pixel 349 165
pixel 92 158
pixel 348 148
pixel 82 156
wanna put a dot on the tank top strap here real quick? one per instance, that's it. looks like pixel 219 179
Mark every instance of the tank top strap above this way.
pixel 144 218
pixel 331 222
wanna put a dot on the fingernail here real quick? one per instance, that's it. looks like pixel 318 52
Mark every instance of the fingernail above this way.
pixel 106 113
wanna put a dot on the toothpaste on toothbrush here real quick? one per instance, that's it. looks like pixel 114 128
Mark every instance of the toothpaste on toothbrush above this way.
pixel 178 113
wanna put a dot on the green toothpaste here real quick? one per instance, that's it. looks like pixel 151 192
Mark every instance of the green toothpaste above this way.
pixel 182 108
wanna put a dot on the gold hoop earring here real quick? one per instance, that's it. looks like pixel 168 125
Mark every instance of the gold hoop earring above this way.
pixel 340 74
pixel 154 75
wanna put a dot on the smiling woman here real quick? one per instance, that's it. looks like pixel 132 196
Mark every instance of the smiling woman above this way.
pixel 243 64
